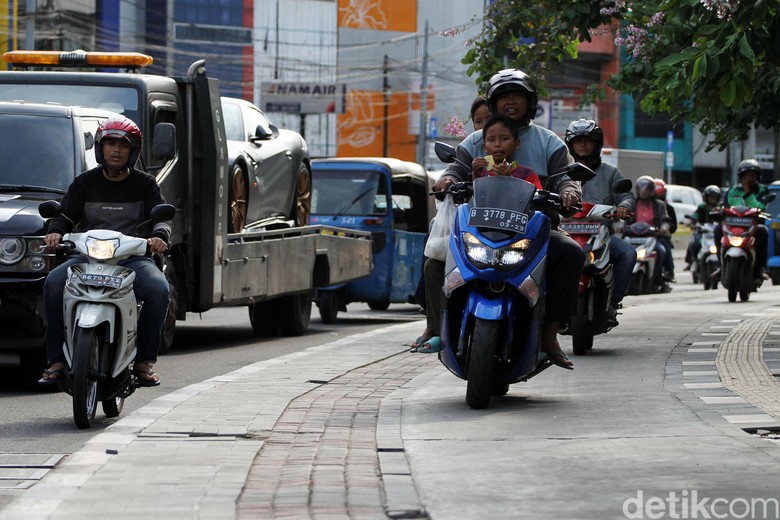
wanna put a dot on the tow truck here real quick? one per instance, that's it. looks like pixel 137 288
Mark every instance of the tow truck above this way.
pixel 272 272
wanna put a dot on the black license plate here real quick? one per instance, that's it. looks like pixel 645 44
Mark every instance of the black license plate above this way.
pixel 494 218
pixel 739 221
pixel 101 280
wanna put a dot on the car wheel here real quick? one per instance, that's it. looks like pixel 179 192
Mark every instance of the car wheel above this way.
pixel 237 199
pixel 303 196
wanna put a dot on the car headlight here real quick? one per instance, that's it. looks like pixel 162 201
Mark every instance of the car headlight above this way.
pixel 12 250
pixel 503 258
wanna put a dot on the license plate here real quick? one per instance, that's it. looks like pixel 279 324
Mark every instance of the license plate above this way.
pixel 739 221
pixel 494 218
pixel 580 228
pixel 636 240
pixel 101 280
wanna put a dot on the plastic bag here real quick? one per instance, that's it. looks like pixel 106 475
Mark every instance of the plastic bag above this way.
pixel 439 237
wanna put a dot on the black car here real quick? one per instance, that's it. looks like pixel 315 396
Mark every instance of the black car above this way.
pixel 270 174
pixel 44 147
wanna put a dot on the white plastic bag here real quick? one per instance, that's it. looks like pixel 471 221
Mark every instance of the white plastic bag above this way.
pixel 439 237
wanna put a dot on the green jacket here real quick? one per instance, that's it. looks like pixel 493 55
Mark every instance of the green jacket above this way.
pixel 736 196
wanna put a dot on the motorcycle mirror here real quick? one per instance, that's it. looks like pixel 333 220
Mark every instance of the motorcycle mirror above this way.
pixel 622 186
pixel 445 152
pixel 577 172
pixel 49 209
pixel 162 212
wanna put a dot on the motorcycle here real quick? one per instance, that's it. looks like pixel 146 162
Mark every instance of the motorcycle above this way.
pixel 738 250
pixel 101 314
pixel 706 261
pixel 642 237
pixel 591 229
pixel 495 282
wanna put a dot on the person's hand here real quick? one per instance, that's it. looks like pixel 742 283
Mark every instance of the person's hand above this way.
pixel 502 168
pixel 622 213
pixel 664 231
pixel 52 239
pixel 568 199
pixel 477 165
pixel 443 183
pixel 156 245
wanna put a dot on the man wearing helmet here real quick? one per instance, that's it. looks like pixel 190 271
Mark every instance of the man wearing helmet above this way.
pixel 118 197
pixel 711 196
pixel 512 92
pixel 585 140
pixel 748 192
pixel 666 238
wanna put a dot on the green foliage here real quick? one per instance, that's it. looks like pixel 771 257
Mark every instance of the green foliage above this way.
pixel 713 63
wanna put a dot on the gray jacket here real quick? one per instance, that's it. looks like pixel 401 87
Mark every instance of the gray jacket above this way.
pixel 598 190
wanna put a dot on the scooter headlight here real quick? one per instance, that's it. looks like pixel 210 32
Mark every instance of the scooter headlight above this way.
pixel 735 241
pixel 101 249
pixel 641 253
pixel 504 258
pixel 713 249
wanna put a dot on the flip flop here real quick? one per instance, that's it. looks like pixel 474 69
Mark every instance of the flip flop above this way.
pixel 419 342
pixel 44 381
pixel 431 346
pixel 146 378
pixel 560 359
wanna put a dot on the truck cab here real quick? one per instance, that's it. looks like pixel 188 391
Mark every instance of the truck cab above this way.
pixel 44 147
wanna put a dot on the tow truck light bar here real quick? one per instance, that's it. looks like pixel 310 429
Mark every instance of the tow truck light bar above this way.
pixel 78 58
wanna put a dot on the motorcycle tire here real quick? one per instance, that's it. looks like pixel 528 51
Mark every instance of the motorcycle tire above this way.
pixel 706 279
pixel 581 335
pixel 734 277
pixel 480 373
pixel 85 372
pixel 113 407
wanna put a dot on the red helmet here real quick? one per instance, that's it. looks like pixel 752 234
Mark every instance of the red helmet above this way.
pixel 119 127
pixel 660 188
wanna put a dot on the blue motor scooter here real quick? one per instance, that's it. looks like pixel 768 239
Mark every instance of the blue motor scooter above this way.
pixel 495 283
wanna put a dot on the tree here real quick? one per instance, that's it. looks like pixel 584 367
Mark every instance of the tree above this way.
pixel 712 63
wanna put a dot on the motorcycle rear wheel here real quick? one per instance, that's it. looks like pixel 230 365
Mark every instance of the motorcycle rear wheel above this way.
pixel 581 336
pixel 480 375
pixel 85 372
pixel 113 407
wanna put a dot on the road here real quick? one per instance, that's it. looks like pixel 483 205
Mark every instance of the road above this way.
pixel 626 432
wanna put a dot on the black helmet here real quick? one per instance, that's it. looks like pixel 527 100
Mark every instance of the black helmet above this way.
pixel 509 80
pixel 585 128
pixel 119 127
pixel 748 165
pixel 712 192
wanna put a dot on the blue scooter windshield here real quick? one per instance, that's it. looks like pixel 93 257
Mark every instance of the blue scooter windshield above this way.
pixel 502 203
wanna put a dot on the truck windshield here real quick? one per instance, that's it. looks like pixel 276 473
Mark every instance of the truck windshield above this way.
pixel 37 151
pixel 348 193
pixel 123 100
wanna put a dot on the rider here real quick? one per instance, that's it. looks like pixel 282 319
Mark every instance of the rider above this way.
pixel 585 140
pixel 653 213
pixel 512 92
pixel 660 194
pixel 748 192
pixel 114 196
pixel 711 196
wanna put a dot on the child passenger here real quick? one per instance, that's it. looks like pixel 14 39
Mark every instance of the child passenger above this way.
pixel 501 137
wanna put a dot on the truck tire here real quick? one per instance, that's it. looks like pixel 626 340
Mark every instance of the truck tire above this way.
pixel 329 306
pixel 295 313
pixel 381 305
pixel 169 328
pixel 264 318
pixel 237 199
pixel 302 208
pixel 480 376
pixel 85 371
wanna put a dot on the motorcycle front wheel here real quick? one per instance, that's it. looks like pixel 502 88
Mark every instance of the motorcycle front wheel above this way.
pixel 581 335
pixel 85 373
pixel 480 374
pixel 113 407
pixel 734 277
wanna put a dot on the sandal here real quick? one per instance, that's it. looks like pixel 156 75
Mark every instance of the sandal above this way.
pixel 145 378
pixel 51 377
pixel 558 357
pixel 419 342
pixel 431 346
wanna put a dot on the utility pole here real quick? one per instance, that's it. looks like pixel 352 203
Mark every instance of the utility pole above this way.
pixel 386 90
pixel 423 101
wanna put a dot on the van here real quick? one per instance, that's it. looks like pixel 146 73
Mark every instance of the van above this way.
pixel 684 200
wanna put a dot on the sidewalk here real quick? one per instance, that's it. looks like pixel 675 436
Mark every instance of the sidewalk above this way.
pixel 318 434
